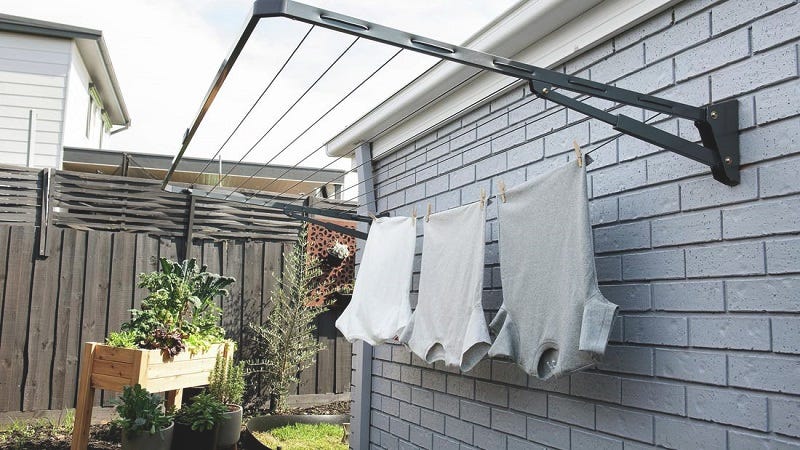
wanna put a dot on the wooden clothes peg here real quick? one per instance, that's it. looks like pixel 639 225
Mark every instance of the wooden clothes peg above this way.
pixel 483 197
pixel 502 185
pixel 428 215
pixel 578 154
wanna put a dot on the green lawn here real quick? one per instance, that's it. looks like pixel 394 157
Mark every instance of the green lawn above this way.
pixel 302 436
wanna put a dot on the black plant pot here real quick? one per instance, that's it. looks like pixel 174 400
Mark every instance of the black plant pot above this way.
pixel 186 438
pixel 333 260
pixel 230 428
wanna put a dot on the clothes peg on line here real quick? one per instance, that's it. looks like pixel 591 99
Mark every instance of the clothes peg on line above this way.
pixel 502 185
pixel 483 197
pixel 372 216
pixel 414 212
pixel 428 216
pixel 578 154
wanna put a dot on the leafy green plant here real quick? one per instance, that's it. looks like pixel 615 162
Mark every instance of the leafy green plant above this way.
pixel 226 381
pixel 179 311
pixel 202 414
pixel 140 411
pixel 285 343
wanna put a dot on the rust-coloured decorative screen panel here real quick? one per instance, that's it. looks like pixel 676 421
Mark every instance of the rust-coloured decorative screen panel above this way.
pixel 336 275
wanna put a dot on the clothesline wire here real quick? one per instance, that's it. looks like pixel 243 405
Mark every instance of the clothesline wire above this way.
pixel 347 154
pixel 252 107
pixel 302 133
pixel 285 113
pixel 557 110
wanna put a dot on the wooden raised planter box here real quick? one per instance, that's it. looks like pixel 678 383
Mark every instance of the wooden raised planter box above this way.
pixel 112 368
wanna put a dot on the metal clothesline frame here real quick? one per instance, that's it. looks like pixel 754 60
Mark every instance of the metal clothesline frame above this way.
pixel 718 123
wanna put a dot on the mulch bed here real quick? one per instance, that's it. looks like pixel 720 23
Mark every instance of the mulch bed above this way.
pixel 107 437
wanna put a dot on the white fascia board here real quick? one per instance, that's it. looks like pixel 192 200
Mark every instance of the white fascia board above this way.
pixel 551 32
pixel 96 58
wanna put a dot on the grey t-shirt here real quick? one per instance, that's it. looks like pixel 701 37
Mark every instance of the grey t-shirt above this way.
pixel 553 320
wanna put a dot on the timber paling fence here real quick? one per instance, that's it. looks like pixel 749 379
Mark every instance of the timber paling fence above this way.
pixel 71 248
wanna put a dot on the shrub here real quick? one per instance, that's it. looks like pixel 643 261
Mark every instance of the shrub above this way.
pixel 203 414
pixel 226 381
pixel 140 411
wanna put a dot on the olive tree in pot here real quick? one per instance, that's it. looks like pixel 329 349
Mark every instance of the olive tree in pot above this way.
pixel 197 424
pixel 226 384
pixel 144 424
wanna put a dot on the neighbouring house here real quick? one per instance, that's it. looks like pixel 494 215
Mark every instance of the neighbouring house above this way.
pixel 705 352
pixel 57 89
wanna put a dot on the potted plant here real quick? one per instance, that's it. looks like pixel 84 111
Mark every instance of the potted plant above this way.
pixel 144 424
pixel 196 425
pixel 226 384
pixel 337 253
pixel 285 344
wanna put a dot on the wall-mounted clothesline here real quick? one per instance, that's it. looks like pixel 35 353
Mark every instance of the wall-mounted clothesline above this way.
pixel 717 123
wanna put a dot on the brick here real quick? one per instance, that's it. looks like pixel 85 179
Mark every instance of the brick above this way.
pixel 491 166
pixel 560 142
pixel 650 202
pixel 619 178
pixel 569 410
pixel 432 420
pixel 627 359
pixel 783 416
pixel 595 386
pixel 390 406
pixel 398 428
pixel 520 444
pixel 625 423
pixel 700 367
pixel 509 373
pixel 582 439
pixel 603 210
pixel 618 64
pixel 409 413
pixel 421 437
pixel 508 422
pixel 609 268
pixel 476 413
pixel 379 420
pixel 460 386
pixel 662 397
pixel 783 374
pixel 422 397
pixel 776 28
pixel 776 103
pixel 415 193
pixel 525 111
pixel 411 375
pixel 545 122
pixel 706 192
pixel 727 407
pixel 492 125
pixel 746 441
pixel 391 371
pixel 447 404
pixel 779 178
pixel 458 429
pixel 677 37
pixel 670 166
pixel 679 434
pixel 436 186
pixel 704 226
pixel 734 13
pixel 656 330
pixel 462 176
pixel 713 54
pixel 383 352
pixel 762 219
pixel 449 163
pixel 444 443
pixel 476 152
pixel 760 70
pixel 548 433
pixel 773 294
pixel 689 296
pixel 508 138
pixel 659 265
pixel 730 332
pixel 462 138
pixel 489 439
pixel 381 386
pixel 525 154
pixel 785 331
pixel 721 260
pixel 528 401
pixel 628 236
pixel 770 141
pixel 401 391
pixel 629 297
pixel 434 380
pixel 495 394
pixel 647 80
pixel 425 173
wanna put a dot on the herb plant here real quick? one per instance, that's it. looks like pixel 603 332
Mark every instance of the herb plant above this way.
pixel 122 339
pixel 226 381
pixel 286 343
pixel 202 414
pixel 140 411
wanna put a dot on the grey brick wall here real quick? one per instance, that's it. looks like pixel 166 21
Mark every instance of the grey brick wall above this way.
pixel 706 350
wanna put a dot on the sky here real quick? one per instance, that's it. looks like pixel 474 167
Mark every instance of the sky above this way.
pixel 166 52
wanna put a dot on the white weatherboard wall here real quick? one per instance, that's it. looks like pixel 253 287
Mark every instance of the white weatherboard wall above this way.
pixel 47 76
pixel 705 353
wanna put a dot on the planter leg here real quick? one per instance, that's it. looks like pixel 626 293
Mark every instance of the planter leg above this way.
pixel 83 410
pixel 174 399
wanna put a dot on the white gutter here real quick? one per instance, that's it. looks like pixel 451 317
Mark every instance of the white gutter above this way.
pixel 541 32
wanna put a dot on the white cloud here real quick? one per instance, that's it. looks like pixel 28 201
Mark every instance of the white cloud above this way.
pixel 166 52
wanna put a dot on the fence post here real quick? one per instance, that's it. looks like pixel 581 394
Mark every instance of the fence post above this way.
pixel 187 253
pixel 32 136
pixel 44 212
